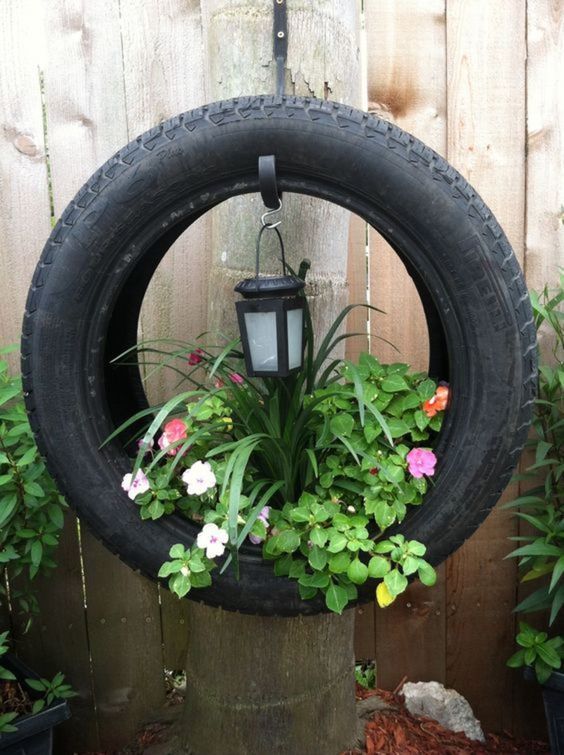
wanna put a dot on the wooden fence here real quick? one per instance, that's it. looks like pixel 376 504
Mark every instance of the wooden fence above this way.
pixel 479 81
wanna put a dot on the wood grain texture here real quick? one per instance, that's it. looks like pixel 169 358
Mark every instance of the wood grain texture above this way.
pixel 406 84
pixel 357 322
pixel 544 251
pixel 238 54
pixel 486 128
pixel 125 644
pixel 24 199
pixel 163 76
pixel 260 685
pixel 58 639
pixel 86 112
pixel 545 142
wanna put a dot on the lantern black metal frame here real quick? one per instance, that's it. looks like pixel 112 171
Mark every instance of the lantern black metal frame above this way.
pixel 277 294
pixel 280 307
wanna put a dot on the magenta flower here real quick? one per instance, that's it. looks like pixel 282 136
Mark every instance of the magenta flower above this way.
pixel 195 357
pixel 135 487
pixel 212 539
pixel 262 517
pixel 421 462
pixel 236 378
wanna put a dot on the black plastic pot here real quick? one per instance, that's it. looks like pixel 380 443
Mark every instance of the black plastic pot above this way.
pixel 553 697
pixel 35 732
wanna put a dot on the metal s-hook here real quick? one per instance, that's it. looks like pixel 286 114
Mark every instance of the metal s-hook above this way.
pixel 265 215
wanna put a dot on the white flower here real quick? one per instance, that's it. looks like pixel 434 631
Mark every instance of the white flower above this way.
pixel 185 571
pixel 199 478
pixel 135 487
pixel 212 539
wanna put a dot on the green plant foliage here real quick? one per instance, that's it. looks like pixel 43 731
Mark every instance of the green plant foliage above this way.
pixel 31 515
pixel 541 506
pixel 365 675
pixel 31 508
pixel 537 650
pixel 315 466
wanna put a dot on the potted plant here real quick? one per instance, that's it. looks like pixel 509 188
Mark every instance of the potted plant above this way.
pixel 31 518
pixel 314 467
pixel 541 552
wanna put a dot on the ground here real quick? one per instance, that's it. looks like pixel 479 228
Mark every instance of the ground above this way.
pixel 388 730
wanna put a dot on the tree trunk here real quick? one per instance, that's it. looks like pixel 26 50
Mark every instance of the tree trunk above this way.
pixel 260 685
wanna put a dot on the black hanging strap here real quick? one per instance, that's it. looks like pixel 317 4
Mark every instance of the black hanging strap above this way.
pixel 280 29
pixel 267 182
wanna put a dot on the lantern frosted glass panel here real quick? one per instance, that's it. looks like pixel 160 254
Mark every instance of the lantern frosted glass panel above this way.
pixel 262 338
pixel 295 325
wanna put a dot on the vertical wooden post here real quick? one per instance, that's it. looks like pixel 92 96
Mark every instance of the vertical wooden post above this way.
pixel 275 685
pixel 259 685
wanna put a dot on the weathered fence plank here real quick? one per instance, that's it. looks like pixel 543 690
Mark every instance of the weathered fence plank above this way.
pixel 57 639
pixel 87 122
pixel 177 299
pixel 113 69
pixel 544 216
pixel 406 84
pixel 24 198
pixel 486 127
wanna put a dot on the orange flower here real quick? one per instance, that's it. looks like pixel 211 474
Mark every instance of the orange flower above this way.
pixel 438 402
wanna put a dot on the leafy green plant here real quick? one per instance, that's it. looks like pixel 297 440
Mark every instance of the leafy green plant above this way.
pixel 31 508
pixel 365 675
pixel 541 553
pixel 50 690
pixel 31 519
pixel 316 467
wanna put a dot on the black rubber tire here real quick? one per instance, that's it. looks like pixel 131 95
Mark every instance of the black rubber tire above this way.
pixel 88 287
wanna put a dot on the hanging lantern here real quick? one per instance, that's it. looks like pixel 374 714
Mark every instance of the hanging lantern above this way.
pixel 271 320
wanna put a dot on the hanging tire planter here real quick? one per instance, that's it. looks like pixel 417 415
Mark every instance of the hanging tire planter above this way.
pixel 84 303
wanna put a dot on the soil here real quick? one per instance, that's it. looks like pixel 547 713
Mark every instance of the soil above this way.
pixel 13 698
pixel 388 730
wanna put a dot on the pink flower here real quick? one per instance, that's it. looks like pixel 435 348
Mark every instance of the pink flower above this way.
pixel 262 517
pixel 236 378
pixel 145 446
pixel 195 357
pixel 135 487
pixel 212 539
pixel 173 431
pixel 218 383
pixel 421 462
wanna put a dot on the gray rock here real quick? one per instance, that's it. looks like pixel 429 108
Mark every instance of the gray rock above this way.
pixel 446 706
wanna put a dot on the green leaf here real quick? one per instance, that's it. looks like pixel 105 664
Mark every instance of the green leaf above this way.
pixel 7 506
pixel 357 572
pixel 427 574
pixel 318 536
pixel 378 567
pixel 342 425
pixel 517 659
pixel 394 383
pixel 317 558
pixel 395 582
pixel 36 552
pixel 336 598
pixel 34 489
pixel 339 562
pixel 288 541
pixel 557 573
pixel 538 548
pixel 38 685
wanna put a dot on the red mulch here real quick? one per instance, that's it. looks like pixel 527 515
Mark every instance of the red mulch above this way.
pixel 392 732
pixel 397 732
